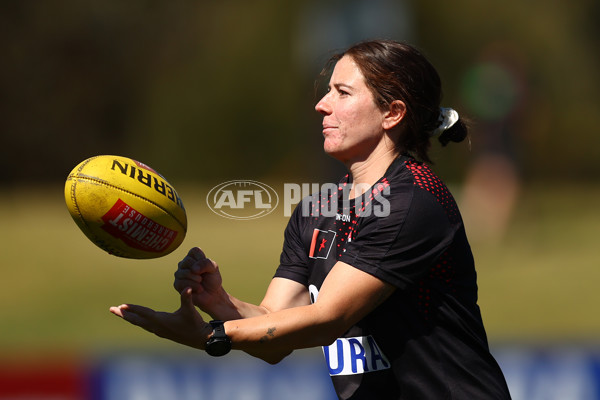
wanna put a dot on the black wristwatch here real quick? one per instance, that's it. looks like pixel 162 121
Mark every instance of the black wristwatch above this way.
pixel 219 343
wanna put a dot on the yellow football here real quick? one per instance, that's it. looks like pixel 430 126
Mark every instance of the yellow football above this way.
pixel 125 207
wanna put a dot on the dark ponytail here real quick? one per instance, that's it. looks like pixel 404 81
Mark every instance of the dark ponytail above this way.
pixel 456 133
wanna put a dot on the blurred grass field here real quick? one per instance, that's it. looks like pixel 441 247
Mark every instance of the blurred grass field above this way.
pixel 540 283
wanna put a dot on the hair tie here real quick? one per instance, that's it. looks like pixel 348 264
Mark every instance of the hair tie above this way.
pixel 448 117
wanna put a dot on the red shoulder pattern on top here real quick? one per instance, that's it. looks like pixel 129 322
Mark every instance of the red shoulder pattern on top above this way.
pixel 426 179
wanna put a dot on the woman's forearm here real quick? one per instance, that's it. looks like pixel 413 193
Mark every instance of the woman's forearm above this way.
pixel 231 308
pixel 273 336
pixel 281 294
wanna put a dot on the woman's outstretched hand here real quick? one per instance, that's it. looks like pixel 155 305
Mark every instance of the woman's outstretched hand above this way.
pixel 184 326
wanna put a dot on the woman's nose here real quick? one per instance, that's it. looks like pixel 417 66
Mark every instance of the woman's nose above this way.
pixel 323 106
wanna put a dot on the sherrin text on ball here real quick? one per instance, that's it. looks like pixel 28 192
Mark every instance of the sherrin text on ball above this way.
pixel 125 207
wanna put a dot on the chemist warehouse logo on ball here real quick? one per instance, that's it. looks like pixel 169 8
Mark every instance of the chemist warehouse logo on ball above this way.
pixel 248 199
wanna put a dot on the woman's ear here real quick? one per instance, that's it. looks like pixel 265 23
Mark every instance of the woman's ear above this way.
pixel 394 114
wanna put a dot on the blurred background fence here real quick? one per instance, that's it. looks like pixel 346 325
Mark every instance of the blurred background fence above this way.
pixel 207 92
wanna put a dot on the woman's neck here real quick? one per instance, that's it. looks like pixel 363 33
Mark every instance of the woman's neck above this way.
pixel 366 172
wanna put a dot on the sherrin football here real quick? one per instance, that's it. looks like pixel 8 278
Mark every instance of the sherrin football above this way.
pixel 125 207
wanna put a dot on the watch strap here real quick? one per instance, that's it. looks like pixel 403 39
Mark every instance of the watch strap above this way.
pixel 219 343
pixel 218 329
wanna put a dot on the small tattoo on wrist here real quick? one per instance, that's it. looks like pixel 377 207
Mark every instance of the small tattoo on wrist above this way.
pixel 270 334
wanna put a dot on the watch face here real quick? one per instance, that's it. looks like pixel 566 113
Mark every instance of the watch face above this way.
pixel 218 347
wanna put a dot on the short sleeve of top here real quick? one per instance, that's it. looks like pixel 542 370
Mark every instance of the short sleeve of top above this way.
pixel 294 256
pixel 401 247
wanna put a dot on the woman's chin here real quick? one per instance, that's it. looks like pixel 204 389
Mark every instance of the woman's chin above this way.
pixel 333 151
pixel 331 146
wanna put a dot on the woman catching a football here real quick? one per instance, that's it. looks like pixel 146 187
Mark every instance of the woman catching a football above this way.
pixel 390 276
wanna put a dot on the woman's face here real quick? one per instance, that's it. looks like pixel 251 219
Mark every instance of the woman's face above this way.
pixel 352 121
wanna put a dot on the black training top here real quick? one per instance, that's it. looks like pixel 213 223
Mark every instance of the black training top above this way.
pixel 427 340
